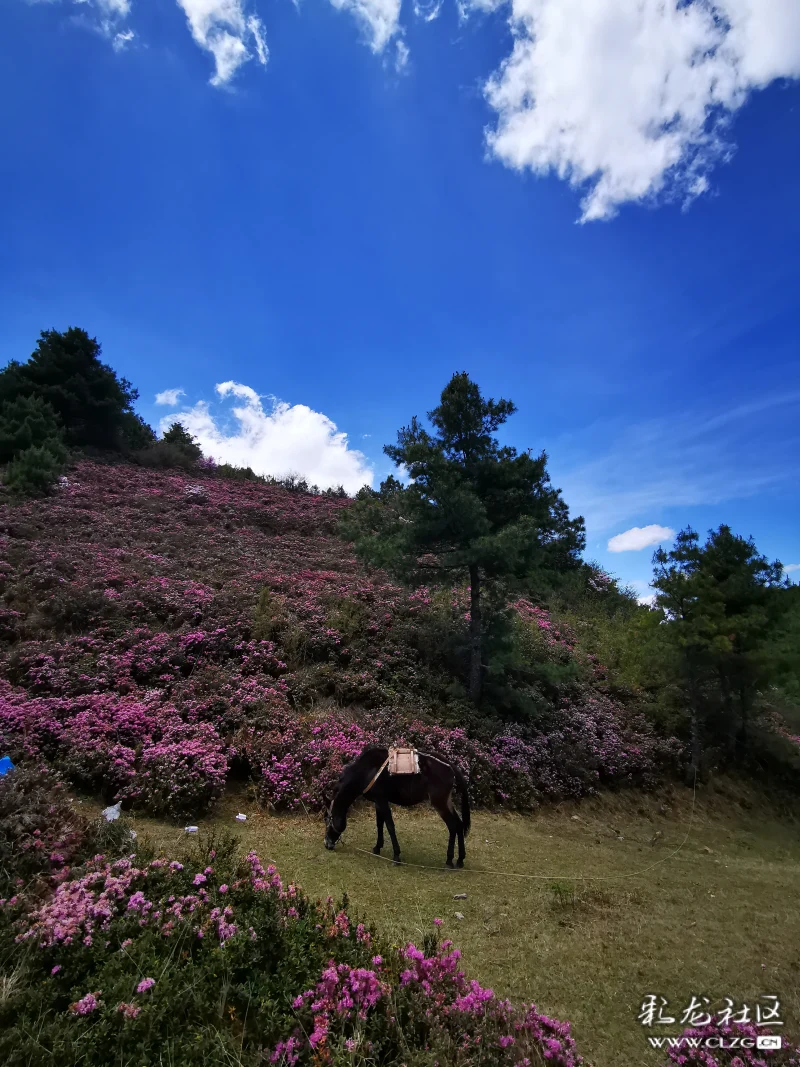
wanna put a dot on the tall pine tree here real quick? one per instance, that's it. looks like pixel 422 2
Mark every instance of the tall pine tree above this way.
pixel 94 406
pixel 471 510
pixel 723 605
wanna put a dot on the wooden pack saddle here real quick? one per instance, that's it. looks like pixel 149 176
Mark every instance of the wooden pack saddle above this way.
pixel 399 761
pixel 403 761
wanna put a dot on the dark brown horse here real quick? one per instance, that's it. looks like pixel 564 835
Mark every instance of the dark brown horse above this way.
pixel 436 781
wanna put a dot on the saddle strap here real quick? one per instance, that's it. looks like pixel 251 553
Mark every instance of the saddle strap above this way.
pixel 383 767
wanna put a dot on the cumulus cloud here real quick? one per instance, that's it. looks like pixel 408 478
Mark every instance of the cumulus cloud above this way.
pixel 639 537
pixel 379 19
pixel 222 28
pixel 649 600
pixel 285 439
pixel 631 99
pixel 169 397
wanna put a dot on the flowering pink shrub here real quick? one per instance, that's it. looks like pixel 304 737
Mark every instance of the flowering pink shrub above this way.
pixel 130 950
pixel 430 998
pixel 86 1005
pixel 135 751
pixel 143 661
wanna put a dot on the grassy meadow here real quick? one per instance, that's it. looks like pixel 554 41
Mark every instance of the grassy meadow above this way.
pixel 591 935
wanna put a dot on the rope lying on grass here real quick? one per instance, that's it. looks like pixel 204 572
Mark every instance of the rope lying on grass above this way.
pixel 555 877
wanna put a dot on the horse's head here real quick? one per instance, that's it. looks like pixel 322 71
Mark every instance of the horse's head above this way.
pixel 335 824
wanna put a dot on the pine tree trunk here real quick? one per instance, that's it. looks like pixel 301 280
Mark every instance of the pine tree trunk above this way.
pixel 474 635
pixel 694 770
pixel 694 725
pixel 744 704
pixel 730 714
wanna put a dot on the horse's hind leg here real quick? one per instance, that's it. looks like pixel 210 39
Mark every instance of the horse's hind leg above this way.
pixel 387 816
pixel 462 852
pixel 379 818
pixel 453 824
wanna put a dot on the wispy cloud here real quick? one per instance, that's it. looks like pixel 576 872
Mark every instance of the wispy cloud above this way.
pixel 232 37
pixel 427 10
pixel 639 537
pixel 790 568
pixel 169 397
pixel 279 440
pixel 379 19
pixel 614 472
pixel 122 39
pixel 105 17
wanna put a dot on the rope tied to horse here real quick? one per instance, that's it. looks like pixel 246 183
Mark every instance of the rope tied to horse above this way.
pixel 613 879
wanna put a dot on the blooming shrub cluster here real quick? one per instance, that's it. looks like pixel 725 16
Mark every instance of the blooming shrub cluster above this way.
pixel 213 957
pixel 214 954
pixel 157 633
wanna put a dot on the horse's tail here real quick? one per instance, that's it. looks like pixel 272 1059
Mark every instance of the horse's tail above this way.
pixel 463 788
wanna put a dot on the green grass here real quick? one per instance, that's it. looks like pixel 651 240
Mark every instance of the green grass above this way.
pixel 720 918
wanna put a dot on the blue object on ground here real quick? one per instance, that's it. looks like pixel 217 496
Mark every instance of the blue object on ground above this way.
pixel 5 765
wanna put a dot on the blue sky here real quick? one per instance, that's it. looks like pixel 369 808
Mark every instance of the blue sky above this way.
pixel 590 205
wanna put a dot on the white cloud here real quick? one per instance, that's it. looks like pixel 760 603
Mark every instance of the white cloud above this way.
pixel 650 600
pixel 427 10
pixel 401 56
pixel 113 8
pixel 287 439
pixel 222 28
pixel 639 537
pixel 379 19
pixel 631 98
pixel 122 39
pixel 104 17
pixel 169 396
pixel 790 568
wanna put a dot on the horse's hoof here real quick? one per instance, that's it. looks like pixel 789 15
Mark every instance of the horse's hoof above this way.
pixel 396 861
pixel 376 851
pixel 450 865
pixel 460 864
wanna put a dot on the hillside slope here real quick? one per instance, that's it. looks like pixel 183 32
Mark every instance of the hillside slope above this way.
pixel 161 631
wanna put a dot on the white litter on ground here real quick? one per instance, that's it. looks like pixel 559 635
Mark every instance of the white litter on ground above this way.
pixel 241 818
pixel 192 829
pixel 112 813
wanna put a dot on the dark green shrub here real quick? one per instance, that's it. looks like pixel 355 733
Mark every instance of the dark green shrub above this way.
pixel 42 830
pixel 29 421
pixel 180 438
pixel 164 455
pixel 176 449
pixel 33 472
pixel 136 434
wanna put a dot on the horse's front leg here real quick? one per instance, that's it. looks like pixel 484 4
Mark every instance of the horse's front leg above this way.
pixel 379 818
pixel 387 815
